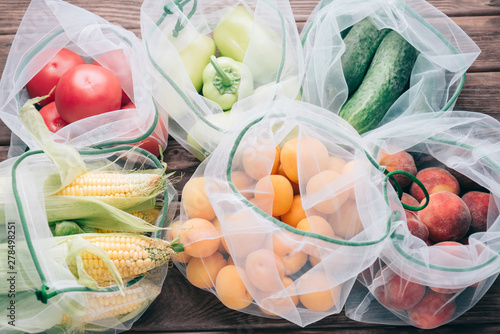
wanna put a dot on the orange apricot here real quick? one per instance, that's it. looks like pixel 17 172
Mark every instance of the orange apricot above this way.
pixel 317 225
pixel 202 272
pixel 277 190
pixel 313 156
pixel 293 259
pixel 321 183
pixel 296 212
pixel 241 237
pixel 261 160
pixel 281 305
pixel 346 222
pixel 195 200
pixel 263 204
pixel 295 186
pixel 353 165
pixel 173 233
pixel 231 289
pixel 199 237
pixel 336 164
pixel 243 183
pixel 265 270
pixel 217 226
pixel 315 291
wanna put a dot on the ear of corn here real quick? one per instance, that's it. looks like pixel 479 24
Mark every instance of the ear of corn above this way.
pixel 99 260
pixel 148 215
pixel 93 213
pixel 112 184
pixel 108 307
pixel 132 255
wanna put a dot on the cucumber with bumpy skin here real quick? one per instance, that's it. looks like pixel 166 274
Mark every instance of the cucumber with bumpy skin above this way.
pixel 382 85
pixel 361 43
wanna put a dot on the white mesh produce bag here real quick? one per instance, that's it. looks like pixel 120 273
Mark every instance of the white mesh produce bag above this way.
pixel 175 35
pixel 47 27
pixel 299 265
pixel 444 53
pixel 428 286
pixel 49 280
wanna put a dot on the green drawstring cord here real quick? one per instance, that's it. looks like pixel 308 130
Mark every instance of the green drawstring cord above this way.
pixel 180 23
pixel 412 177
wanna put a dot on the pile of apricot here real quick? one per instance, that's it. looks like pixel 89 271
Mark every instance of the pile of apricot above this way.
pixel 273 268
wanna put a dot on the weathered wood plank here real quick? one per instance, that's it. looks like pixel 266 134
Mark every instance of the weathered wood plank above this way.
pixel 196 304
pixel 451 329
pixel 485 32
pixel 302 8
pixel 124 12
pixel 127 12
pixel 480 94
pixel 3 152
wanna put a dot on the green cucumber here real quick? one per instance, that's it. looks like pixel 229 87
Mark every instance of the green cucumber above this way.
pixel 344 32
pixel 361 43
pixel 383 84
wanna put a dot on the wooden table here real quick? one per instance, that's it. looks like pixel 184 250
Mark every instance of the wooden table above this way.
pixel 184 308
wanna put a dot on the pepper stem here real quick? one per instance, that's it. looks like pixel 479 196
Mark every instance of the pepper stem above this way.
pixel 225 80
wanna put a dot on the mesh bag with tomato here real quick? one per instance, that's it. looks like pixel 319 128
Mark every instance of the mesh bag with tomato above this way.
pixel 95 73
pixel 213 60
pixel 443 257
pixel 284 214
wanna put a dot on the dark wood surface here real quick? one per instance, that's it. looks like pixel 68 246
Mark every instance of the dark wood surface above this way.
pixel 184 308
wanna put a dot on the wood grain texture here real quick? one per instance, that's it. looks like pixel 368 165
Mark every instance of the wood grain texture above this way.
pixel 124 12
pixel 127 12
pixel 480 29
pixel 3 152
pixel 206 313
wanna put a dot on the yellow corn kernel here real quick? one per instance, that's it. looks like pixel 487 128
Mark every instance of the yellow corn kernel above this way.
pixel 133 255
pixel 149 215
pixel 112 184
pixel 114 304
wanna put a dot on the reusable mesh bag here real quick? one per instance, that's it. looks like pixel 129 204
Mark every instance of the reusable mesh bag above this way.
pixel 49 282
pixel 300 267
pixel 172 31
pixel 46 28
pixel 428 286
pixel 445 52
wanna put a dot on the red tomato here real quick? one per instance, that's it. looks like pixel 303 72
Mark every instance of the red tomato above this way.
pixel 51 117
pixel 49 75
pixel 87 90
pixel 156 139
pixel 117 63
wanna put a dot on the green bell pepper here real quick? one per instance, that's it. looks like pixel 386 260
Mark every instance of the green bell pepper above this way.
pixel 226 80
pixel 232 37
